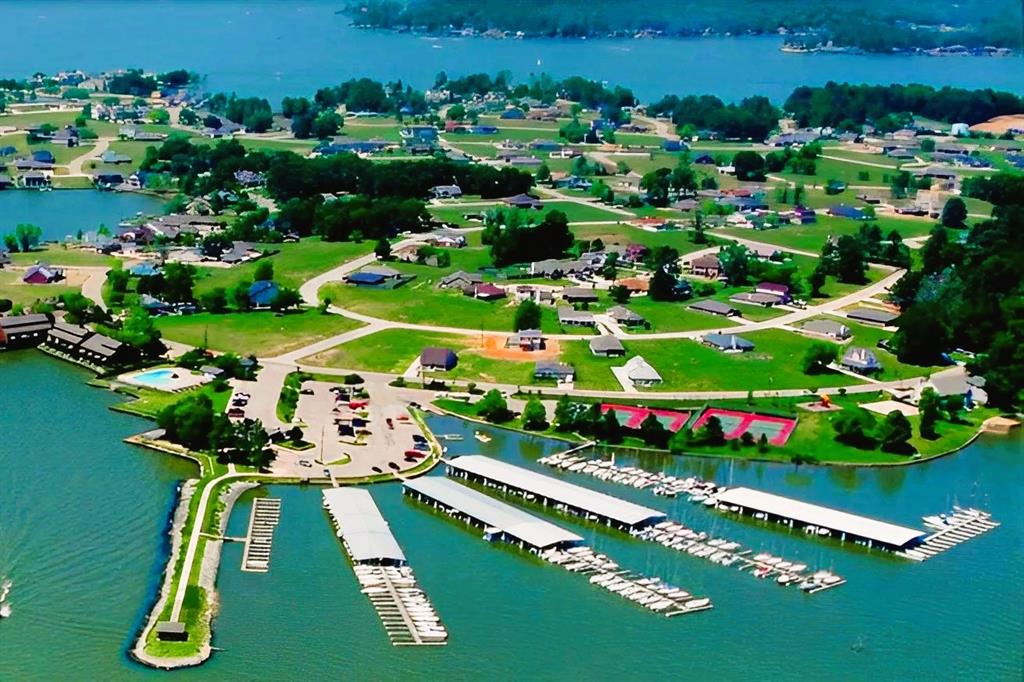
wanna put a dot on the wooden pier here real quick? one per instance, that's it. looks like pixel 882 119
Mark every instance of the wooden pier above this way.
pixel 961 526
pixel 265 515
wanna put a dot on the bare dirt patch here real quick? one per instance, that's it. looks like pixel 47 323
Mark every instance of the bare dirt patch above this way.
pixel 1000 124
pixel 494 347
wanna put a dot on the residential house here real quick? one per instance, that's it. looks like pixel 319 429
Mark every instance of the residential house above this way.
pixel 635 253
pixel 526 340
pixel 705 160
pixel 545 146
pixel 6 181
pixel 418 136
pixel 484 291
pixel 572 317
pixel 801 215
pixel 365 279
pixel 861 361
pixel 607 346
pixel 640 373
pixel 754 298
pixel 829 328
pixel 5 257
pixel 446 191
pixel 523 201
pixel 635 285
pixel 559 371
pixel 144 269
pixel 23 331
pixel 42 274
pixel 112 157
pixel 44 156
pixel 263 293
pixel 626 317
pixel 579 295
pixel 706 266
pixel 438 359
pixel 460 280
pixel 85 345
pixel 512 114
pixel 154 306
pixel 107 180
pixel 673 145
pixel 33 179
pixel 446 240
pixel 715 308
pixel 872 315
pixel 781 291
pixel 844 211
pixel 728 343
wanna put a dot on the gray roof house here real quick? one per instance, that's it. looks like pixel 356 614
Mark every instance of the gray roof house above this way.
pixel 728 343
pixel 460 279
pixel 715 308
pixel 579 295
pixel 625 316
pixel 872 315
pixel 570 316
pixel 559 371
pixel 830 328
pixel 607 346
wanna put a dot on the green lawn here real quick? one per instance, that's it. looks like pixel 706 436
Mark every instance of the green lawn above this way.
pixel 300 147
pixel 592 373
pixel 812 237
pixel 12 288
pixel 295 264
pixel 262 333
pixel 850 173
pixel 55 254
pixel 147 402
pixel 868 336
pixel 453 213
pixel 774 363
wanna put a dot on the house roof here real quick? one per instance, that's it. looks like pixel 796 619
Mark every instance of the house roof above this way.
pixel 382 270
pixel 433 356
pixel 579 292
pixel 707 261
pixel 606 344
pixel 102 345
pixel 364 278
pixel 728 342
pixel 461 276
pixel 714 307
pixel 827 327
pixel 543 368
pixel 621 313
pixel 756 297
pixel 872 315
pixel 568 314
pixel 772 287
pixel 263 292
pixel 861 358
pixel 638 369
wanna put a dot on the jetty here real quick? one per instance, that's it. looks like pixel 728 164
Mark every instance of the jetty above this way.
pixel 259 540
pixel 380 566
pixel 552 543
pixel 960 526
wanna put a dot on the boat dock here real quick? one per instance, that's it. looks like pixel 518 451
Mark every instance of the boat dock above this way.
pixel 381 568
pixel 659 482
pixel 550 542
pixel 265 515
pixel 950 531
pixel 553 492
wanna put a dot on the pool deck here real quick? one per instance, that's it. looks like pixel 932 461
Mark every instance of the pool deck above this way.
pixel 182 379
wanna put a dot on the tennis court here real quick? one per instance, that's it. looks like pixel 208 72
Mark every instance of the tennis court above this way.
pixel 632 417
pixel 736 422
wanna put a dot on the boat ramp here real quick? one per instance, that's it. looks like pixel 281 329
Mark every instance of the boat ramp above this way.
pixel 502 521
pixel 959 526
pixel 265 515
pixel 381 568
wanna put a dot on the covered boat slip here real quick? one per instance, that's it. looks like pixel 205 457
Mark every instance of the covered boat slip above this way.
pixel 364 531
pixel 846 525
pixel 517 525
pixel 549 490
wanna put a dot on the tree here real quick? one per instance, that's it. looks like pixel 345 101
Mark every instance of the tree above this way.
pixel 851 262
pixel 239 295
pixel 527 316
pixel 923 336
pixel 493 407
pixel 653 432
pixel 383 249
pixel 264 271
pixel 749 166
pixel 159 116
pixel 735 263
pixel 662 286
pixel 855 426
pixel 138 331
pixel 178 281
pixel 819 356
pixel 188 117
pixel 286 298
pixel 565 414
pixel 609 429
pixel 27 236
pixel 817 280
pixel 543 173
pixel 215 300
pixel 619 293
pixel 535 417
pixel 894 432
pixel 712 432
pixel 456 112
pixel 327 124
pixel 189 421
pixel 928 407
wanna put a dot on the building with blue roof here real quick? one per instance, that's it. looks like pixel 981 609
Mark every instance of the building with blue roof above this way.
pixel 263 293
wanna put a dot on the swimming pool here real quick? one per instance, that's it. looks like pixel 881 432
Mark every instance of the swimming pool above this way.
pixel 157 378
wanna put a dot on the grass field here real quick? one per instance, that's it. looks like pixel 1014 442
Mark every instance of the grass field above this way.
pixel 300 147
pixel 12 288
pixel 263 334
pixel 774 363
pixel 295 264
pixel 592 373
pixel 812 237
pixel 55 254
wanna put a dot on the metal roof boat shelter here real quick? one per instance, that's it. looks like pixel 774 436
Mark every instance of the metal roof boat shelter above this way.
pixel 552 491
pixel 516 525
pixel 794 512
pixel 361 527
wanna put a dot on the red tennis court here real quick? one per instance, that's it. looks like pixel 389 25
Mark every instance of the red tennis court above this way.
pixel 632 417
pixel 735 423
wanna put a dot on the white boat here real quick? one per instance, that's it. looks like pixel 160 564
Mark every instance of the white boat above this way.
pixel 482 437
pixel 697 603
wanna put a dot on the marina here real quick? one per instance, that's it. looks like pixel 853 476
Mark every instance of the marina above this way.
pixel 259 540
pixel 551 543
pixel 698 544
pixel 380 566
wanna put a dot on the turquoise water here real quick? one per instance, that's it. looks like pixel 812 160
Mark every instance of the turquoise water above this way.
pixel 273 49
pixel 81 516
pixel 157 378
pixel 63 213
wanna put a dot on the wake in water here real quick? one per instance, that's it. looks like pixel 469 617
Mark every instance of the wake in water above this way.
pixel 5 606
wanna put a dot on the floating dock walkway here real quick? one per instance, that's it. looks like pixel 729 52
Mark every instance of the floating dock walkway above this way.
pixel 265 515
pixel 502 521
pixel 960 526
pixel 383 573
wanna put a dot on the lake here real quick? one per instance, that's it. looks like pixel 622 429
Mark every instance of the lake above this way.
pixel 273 49
pixel 63 212
pixel 82 516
